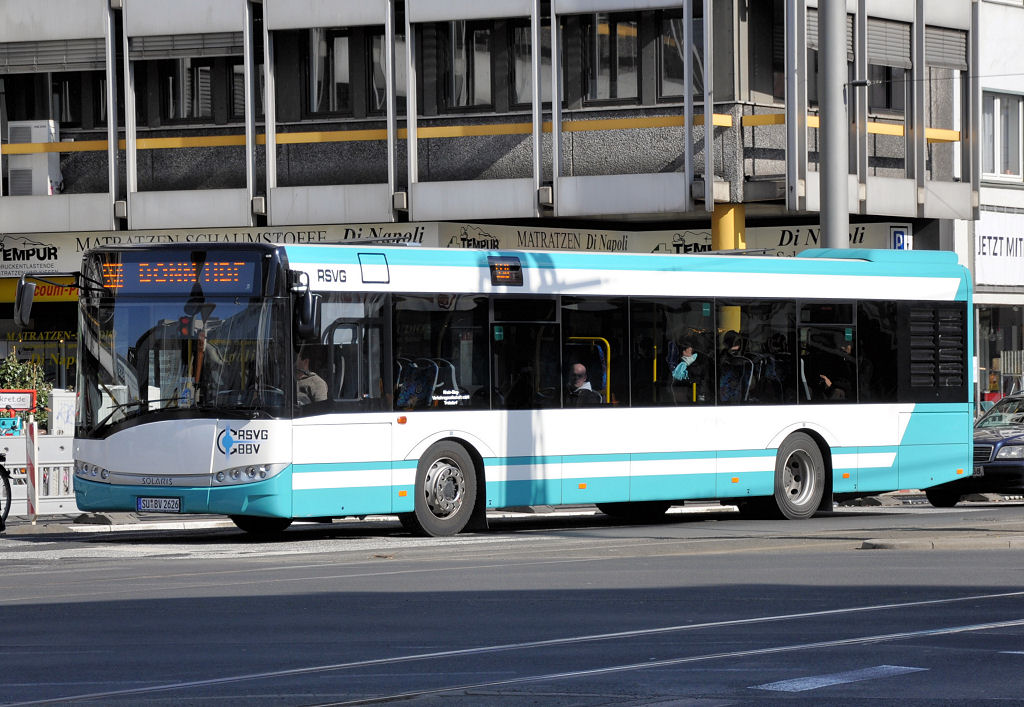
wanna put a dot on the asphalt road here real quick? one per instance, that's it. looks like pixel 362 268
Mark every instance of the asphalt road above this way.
pixel 901 604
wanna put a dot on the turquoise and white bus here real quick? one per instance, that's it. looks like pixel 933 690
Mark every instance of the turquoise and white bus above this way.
pixel 435 384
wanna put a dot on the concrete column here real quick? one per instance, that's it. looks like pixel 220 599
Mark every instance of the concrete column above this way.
pixel 728 227
pixel 835 136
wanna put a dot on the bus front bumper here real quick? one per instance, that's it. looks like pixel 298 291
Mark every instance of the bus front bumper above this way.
pixel 271 498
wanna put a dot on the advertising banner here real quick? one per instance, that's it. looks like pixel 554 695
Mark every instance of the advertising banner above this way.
pixel 999 249
pixel 49 253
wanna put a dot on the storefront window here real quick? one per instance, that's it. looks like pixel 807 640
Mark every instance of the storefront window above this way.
pixel 1000 351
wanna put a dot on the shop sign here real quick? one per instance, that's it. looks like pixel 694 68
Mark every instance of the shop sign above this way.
pixel 999 249
pixel 48 253
pixel 782 241
pixel 17 399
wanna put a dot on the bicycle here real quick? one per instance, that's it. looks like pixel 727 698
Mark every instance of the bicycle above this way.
pixel 5 492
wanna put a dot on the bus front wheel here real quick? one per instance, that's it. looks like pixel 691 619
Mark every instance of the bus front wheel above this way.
pixel 799 477
pixel 445 491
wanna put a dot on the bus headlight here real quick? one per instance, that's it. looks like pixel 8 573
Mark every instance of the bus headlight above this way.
pixel 248 474
pixel 1011 451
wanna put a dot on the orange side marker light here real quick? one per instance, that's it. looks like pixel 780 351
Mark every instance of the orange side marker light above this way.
pixel 583 486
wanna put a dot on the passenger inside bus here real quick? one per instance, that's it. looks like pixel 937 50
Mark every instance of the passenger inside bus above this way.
pixel 689 374
pixel 310 387
pixel 580 393
pixel 828 365
pixel 735 370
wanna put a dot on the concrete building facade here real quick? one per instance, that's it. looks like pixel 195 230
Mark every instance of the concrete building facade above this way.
pixel 611 124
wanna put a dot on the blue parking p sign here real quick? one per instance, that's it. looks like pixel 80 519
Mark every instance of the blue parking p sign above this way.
pixel 900 237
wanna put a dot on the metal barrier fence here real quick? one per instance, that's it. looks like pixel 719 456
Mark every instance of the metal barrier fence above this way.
pixel 54 474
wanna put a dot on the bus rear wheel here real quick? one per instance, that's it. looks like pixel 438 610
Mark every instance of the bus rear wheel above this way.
pixel 256 525
pixel 445 491
pixel 942 498
pixel 799 477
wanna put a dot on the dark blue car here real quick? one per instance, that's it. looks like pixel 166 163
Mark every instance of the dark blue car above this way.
pixel 998 456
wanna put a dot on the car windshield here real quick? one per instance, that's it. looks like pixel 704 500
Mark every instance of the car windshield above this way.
pixel 1008 411
pixel 149 356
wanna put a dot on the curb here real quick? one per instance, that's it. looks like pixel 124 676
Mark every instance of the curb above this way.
pixel 977 543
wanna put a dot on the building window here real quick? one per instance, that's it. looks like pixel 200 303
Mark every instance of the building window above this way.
pixel 522 64
pixel 329 79
pixel 238 91
pixel 186 89
pixel 887 92
pixel 611 58
pixel 465 51
pixel 1001 147
pixel 378 82
pixel 671 56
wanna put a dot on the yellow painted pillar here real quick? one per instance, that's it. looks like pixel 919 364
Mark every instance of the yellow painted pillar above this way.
pixel 728 227
pixel 728 232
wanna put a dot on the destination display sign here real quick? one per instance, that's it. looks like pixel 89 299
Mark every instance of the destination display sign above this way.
pixel 173 272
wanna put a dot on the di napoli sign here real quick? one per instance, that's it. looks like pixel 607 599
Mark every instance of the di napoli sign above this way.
pixel 783 240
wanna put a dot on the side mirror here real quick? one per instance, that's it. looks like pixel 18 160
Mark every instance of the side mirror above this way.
pixel 307 316
pixel 23 297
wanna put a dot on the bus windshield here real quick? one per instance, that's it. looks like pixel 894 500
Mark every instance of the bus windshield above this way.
pixel 147 357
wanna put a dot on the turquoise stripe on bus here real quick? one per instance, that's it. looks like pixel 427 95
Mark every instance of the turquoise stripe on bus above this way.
pixel 625 456
pixel 571 260
pixel 367 500
pixel 542 492
pixel 674 487
pixel 343 466
pixel 595 490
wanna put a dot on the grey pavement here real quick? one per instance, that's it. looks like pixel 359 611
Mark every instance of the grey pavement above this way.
pixel 951 536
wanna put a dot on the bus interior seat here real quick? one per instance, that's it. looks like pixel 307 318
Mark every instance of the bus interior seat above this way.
pixel 446 374
pixel 803 379
pixel 419 379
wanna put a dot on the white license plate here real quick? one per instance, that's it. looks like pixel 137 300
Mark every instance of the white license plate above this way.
pixel 149 504
pixel 979 471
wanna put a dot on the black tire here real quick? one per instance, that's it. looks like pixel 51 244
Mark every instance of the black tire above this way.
pixel 445 491
pixel 264 527
pixel 408 521
pixel 942 498
pixel 5 498
pixel 799 477
pixel 638 511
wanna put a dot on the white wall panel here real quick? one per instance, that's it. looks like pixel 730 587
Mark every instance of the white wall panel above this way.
pixel 56 213
pixel 571 7
pixel 300 14
pixel 472 199
pixel 45 20
pixel 442 10
pixel 620 194
pixel 199 208
pixel 334 203
pixel 160 17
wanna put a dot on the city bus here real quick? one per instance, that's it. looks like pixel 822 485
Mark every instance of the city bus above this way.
pixel 287 383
